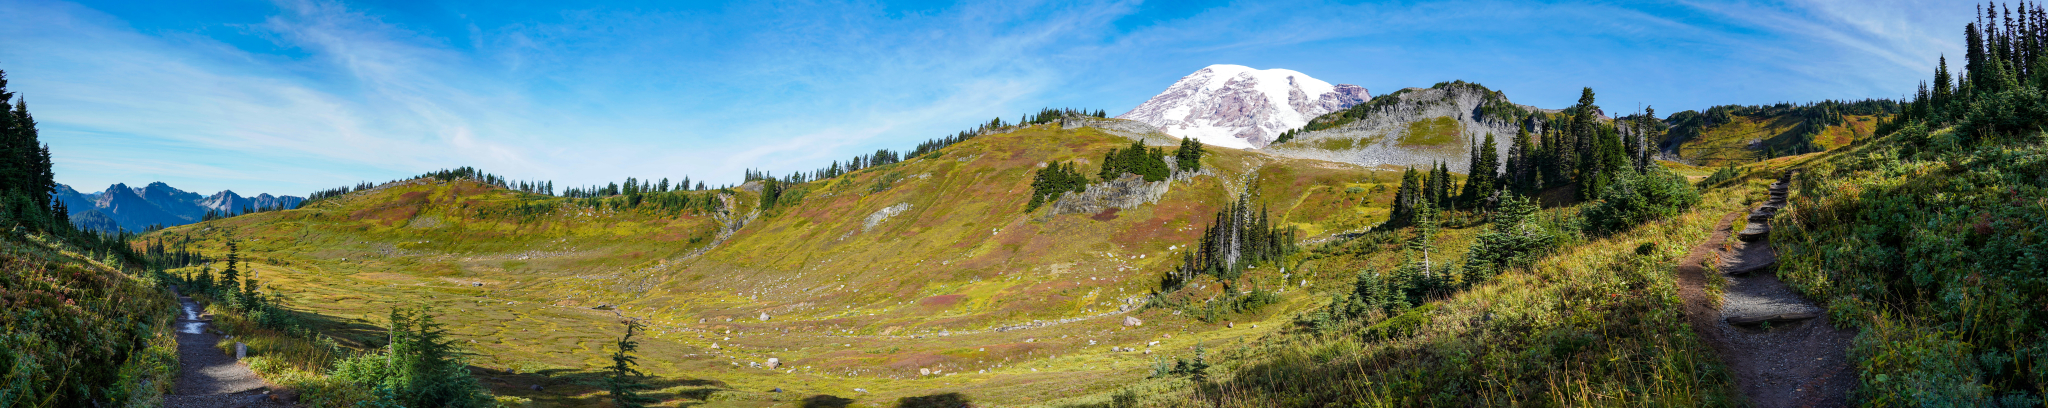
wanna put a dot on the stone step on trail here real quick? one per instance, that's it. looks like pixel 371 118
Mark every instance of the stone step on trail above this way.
pixel 1779 318
pixel 1755 232
pixel 1744 258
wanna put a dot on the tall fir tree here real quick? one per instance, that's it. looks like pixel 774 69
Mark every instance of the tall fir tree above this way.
pixel 1407 197
pixel 623 380
pixel 1482 176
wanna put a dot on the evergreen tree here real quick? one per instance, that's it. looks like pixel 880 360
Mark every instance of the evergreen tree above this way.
pixel 427 369
pixel 1973 60
pixel 1942 87
pixel 622 380
pixel 1189 156
pixel 1406 198
pixel 1482 175
pixel 1521 168
pixel 1445 187
pixel 230 278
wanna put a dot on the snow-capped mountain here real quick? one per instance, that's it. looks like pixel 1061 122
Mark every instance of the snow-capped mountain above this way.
pixel 1237 106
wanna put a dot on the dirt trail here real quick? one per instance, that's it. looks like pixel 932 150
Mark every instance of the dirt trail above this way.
pixel 208 378
pixel 1780 347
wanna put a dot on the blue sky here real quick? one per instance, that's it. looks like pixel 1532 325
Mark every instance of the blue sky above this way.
pixel 292 96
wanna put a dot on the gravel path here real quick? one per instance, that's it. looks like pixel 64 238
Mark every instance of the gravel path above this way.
pixel 208 378
pixel 1781 348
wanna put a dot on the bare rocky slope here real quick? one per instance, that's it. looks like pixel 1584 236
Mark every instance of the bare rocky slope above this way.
pixel 1412 127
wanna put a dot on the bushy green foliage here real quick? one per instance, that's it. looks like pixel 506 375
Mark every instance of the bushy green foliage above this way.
pixel 1136 159
pixel 70 331
pixel 1605 329
pixel 1940 255
pixel 422 366
pixel 1515 240
pixel 1052 181
pixel 1188 157
pixel 1638 197
pixel 1195 369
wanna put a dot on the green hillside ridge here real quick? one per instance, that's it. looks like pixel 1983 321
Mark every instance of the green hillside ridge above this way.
pixel 1732 134
pixel 961 270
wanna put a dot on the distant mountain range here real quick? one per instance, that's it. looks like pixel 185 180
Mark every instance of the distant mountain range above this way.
pixel 135 209
pixel 1240 107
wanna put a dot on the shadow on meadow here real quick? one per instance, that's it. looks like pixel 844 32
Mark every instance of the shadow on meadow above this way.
pixel 569 387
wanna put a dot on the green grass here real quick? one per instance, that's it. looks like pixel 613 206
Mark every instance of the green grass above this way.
pixel 851 307
pixel 1336 144
pixel 1595 324
pixel 1438 132
pixel 1730 143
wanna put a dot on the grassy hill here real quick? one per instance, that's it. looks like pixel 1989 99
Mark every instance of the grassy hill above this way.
pixel 959 290
pixel 1732 134
pixel 926 280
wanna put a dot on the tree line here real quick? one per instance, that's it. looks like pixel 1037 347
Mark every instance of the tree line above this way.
pixel 2000 92
pixel 633 186
pixel 28 185
pixel 1239 237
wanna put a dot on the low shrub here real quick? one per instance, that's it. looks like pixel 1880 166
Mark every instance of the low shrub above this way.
pixel 1638 197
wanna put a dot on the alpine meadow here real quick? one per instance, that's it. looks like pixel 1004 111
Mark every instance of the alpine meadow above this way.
pixel 1840 204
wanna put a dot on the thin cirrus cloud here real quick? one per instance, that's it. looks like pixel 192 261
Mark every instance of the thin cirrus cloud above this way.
pixel 298 95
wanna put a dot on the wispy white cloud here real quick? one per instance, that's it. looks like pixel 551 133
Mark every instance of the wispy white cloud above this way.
pixel 597 93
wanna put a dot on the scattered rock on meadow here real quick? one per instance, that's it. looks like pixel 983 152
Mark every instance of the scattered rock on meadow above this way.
pixel 1132 321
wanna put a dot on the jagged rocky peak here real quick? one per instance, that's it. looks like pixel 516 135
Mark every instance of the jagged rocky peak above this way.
pixel 1240 107
pixel 134 209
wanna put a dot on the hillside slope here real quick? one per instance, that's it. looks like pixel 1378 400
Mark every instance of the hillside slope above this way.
pixel 1413 127
pixel 76 331
pixel 872 280
pixel 1733 134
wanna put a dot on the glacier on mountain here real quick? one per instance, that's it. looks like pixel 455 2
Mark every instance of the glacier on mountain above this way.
pixel 1240 107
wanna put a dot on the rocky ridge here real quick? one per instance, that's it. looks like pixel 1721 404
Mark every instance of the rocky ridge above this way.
pixel 1379 135
pixel 136 209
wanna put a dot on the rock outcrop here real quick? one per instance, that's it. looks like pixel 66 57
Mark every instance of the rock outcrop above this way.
pixel 1413 127
pixel 1129 191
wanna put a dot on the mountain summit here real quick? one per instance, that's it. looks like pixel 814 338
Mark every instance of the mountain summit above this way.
pixel 135 209
pixel 1237 106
